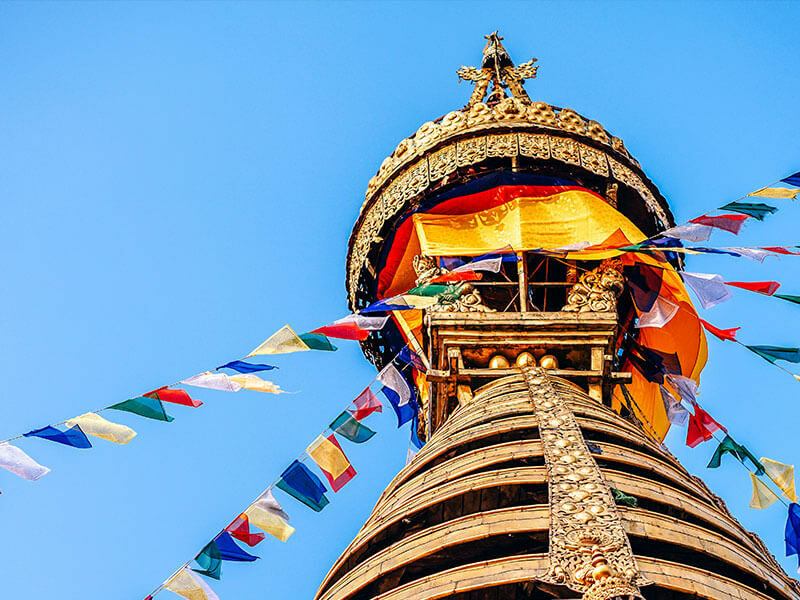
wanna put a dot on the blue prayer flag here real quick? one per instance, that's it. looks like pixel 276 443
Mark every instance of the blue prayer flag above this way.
pixel 300 483
pixel 793 179
pixel 792 532
pixel 398 393
pixel 775 353
pixel 385 306
pixel 230 550
pixel 410 358
pixel 73 436
pixel 418 443
pixel 241 366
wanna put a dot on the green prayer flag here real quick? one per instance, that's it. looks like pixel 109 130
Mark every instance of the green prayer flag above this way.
pixel 756 210
pixel 210 561
pixel 728 445
pixel 773 353
pixel 152 408
pixel 317 341
pixel 795 299
pixel 436 289
pixel 621 497
pixel 348 427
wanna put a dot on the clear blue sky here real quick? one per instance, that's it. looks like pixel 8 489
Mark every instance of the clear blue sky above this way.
pixel 179 180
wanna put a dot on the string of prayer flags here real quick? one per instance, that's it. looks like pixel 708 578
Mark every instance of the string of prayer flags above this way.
pixel 685 386
pixel 792 179
pixel 317 341
pixel 676 412
pixel 761 287
pixel 18 462
pixel 409 357
pixel 762 496
pixel 241 366
pixel 230 550
pixel 731 223
pixel 448 291
pixel 775 353
pixel 701 427
pixel 709 288
pixel 213 381
pixel 795 299
pixel 398 393
pixel 94 424
pixel 210 561
pixel 401 302
pixel 150 408
pixel 791 534
pixel 751 209
pixel 239 528
pixel 782 476
pixel 336 482
pixel 353 327
pixel 349 428
pixel 187 584
pixel 249 381
pixel 266 514
pixel 779 250
pixel 758 254
pixel 778 193
pixel 691 232
pixel 176 396
pixel 469 271
pixel 728 445
pixel 723 334
pixel 300 483
pixel 328 456
pixel 659 314
pixel 73 436
pixel 366 403
pixel 283 341
pixel 456 276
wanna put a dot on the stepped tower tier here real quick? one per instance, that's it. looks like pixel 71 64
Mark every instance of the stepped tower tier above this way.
pixel 543 474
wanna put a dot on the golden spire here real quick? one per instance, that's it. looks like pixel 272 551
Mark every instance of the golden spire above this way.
pixel 498 68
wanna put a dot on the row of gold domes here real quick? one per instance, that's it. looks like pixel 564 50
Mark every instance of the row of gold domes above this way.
pixel 524 359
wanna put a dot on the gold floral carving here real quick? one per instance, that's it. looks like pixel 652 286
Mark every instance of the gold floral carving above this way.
pixel 502 145
pixel 593 160
pixel 471 151
pixel 588 545
pixel 535 146
pixel 596 290
pixel 442 162
pixel 565 150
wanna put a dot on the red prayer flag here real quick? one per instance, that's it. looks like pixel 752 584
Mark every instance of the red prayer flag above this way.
pixel 344 331
pixel 732 223
pixel 366 404
pixel 175 396
pixel 779 250
pixel 340 481
pixel 723 334
pixel 701 427
pixel 240 529
pixel 457 276
pixel 762 287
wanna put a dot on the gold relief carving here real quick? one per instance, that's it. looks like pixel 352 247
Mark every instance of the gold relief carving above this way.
pixel 535 146
pixel 625 175
pixel 502 145
pixel 571 121
pixel 589 549
pixel 442 162
pixel 594 160
pixel 509 109
pixel 405 149
pixel 463 298
pixel 479 114
pixel 597 290
pixel 427 135
pixel 596 132
pixel 471 151
pixel 542 113
pixel 412 181
pixel 565 150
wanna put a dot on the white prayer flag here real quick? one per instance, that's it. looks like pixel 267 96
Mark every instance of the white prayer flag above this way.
pixel 214 381
pixel 710 288
pixel 659 314
pixel 19 463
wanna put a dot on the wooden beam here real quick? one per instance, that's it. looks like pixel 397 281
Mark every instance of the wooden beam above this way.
pixel 522 275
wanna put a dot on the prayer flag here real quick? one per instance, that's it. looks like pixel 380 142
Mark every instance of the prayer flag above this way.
pixel 348 427
pixel 758 254
pixel 792 532
pixel 659 314
pixel 755 210
pixel 488 262
pixel 676 412
pixel 761 287
pixel 728 445
pixel 779 250
pixel 779 192
pixel 775 353
pixel 732 223
pixel 249 381
pixel 782 475
pixel 339 482
pixel 691 232
pixel 723 334
pixel 300 483
pixel 210 561
pixel 762 496
pixel 624 499
pixel 73 436
pixel 645 284
pixel 240 529
pixel 266 513
pixel 410 358
pixel 176 396
pixel 576 247
pixel 241 366
pixel 685 386
pixel 317 341
pixel 435 290
pixel 795 299
pixel 18 462
pixel 401 302
pixel 667 362
pixel 143 406
pixel 187 584
pixel 94 424
pixel 701 427
pixel 710 288
pixel 230 550
pixel 415 441
pixel 353 327
pixel 397 393
pixel 792 179
pixel 328 456
pixel 454 276
pixel 213 381
pixel 410 454
pixel 366 403
pixel 281 342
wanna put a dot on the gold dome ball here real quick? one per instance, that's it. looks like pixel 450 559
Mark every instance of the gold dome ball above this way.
pixel 498 361
pixel 548 361
pixel 525 359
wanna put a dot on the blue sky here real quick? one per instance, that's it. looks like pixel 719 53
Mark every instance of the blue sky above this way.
pixel 179 180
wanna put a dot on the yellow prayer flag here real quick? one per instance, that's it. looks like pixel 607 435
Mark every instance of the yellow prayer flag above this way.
pixel 253 382
pixel 281 342
pixel 269 522
pixel 190 586
pixel 94 424
pixel 782 475
pixel 776 193
pixel 762 495
pixel 328 456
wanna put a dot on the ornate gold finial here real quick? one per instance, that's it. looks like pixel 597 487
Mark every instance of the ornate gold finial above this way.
pixel 498 68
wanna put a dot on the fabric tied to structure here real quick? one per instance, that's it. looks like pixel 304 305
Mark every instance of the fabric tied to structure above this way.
pixel 691 232
pixel 728 445
pixel 266 514
pixel 776 353
pixel 209 559
pixel 348 427
pixel 778 193
pixel 73 436
pixel 18 462
pixel 723 334
pixel 731 223
pixel 659 314
pixel 252 382
pixel 176 396
pixel 676 412
pixel 365 404
pixel 762 496
pixel 317 341
pixel 300 483
pixel 701 427
pixel 213 381
pixel 751 253
pixel 337 482
pixel 241 366
pixel 230 550
pixel 761 287
pixel 150 408
pixel 791 533
pixel 283 341
pixel 94 424
pixel 401 302
pixel 353 327
pixel 328 456
pixel 410 358
pixel 685 386
pixel 187 584
pixel 398 393
pixel 240 529
pixel 782 476
pixel 710 288
pixel 756 210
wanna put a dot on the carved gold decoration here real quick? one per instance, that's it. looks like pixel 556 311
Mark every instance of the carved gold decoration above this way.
pixel 498 361
pixel 593 160
pixel 465 298
pixel 565 150
pixel 535 146
pixel 502 145
pixel 548 361
pixel 588 544
pixel 442 162
pixel 525 359
pixel 597 290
